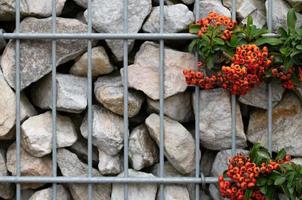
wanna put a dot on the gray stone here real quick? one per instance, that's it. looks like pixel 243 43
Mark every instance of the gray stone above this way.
pixel 176 19
pixel 109 165
pixel 188 1
pixel 109 91
pixel 214 192
pixel 46 194
pixel 81 149
pixel 297 4
pixel 204 196
pixel 107 131
pixel 36 134
pixel 286 127
pixel 297 161
pixel 107 17
pixel 175 192
pixel 207 161
pixel 144 73
pixel 258 97
pixel 177 107
pixel 213 5
pixel 70 165
pixel 178 142
pixel 82 3
pixel 169 170
pixel 135 191
pixel 8 108
pixel 216 119
pixel 41 8
pixel 100 63
pixel 6 189
pixel 30 166
pixel 143 151
pixel 26 194
pixel 35 55
pixel 71 93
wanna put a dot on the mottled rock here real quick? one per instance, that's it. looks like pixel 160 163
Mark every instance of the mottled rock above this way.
pixel 26 194
pixel 178 142
pixel 30 166
pixel 170 171
pixel 176 19
pixel 188 1
pixel 144 73
pixel 36 134
pixel 207 160
pixel 286 127
pixel 46 194
pixel 297 4
pixel 109 165
pixel 70 165
pixel 81 149
pixel 297 161
pixel 143 151
pixel 40 8
pixel 175 192
pixel 6 189
pixel 100 63
pixel 107 17
pixel 135 191
pixel 258 96
pixel 244 7
pixel 109 91
pixel 214 5
pixel 82 3
pixel 71 93
pixel 177 107
pixel 215 120
pixel 35 55
pixel 107 131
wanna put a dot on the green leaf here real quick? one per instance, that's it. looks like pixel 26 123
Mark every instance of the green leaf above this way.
pixel 192 46
pixel 218 41
pixel 280 180
pixel 249 21
pixel 291 20
pixel 270 41
pixel 299 47
pixel 248 194
pixel 261 181
pixel 281 154
pixel 253 152
pixel 194 28
pixel 282 32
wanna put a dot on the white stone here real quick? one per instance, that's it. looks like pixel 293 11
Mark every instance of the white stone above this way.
pixel 46 194
pixel 6 189
pixel 109 165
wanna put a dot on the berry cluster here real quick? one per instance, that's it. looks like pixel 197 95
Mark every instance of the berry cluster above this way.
pixel 203 81
pixel 214 20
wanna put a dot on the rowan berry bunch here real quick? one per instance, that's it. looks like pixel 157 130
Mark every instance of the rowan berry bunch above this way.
pixel 285 77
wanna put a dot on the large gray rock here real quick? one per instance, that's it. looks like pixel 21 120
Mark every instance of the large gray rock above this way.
pixel 70 165
pixel 176 18
pixel 179 145
pixel 6 189
pixel 216 119
pixel 109 91
pixel 286 127
pixel 36 134
pixel 175 192
pixel 71 93
pixel 30 166
pixel 213 5
pixel 100 63
pixel 82 3
pixel 35 55
pixel 258 96
pixel 297 4
pixel 8 108
pixel 177 107
pixel 144 73
pixel 107 131
pixel 107 17
pixel 46 194
pixel 135 191
pixel 244 7
pixel 40 8
pixel 143 151
pixel 80 147
pixel 109 165
pixel 207 160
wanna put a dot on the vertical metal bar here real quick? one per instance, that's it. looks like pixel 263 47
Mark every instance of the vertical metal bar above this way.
pixel 234 106
pixel 197 117
pixel 161 98
pixel 125 72
pixel 89 99
pixel 18 120
pixel 269 86
pixel 54 101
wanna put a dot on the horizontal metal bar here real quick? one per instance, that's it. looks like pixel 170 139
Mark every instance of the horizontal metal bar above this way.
pixel 83 180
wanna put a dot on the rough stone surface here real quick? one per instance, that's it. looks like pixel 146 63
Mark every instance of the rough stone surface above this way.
pixel 215 120
pixel 36 135
pixel 71 93
pixel 177 18
pixel 45 194
pixel 297 161
pixel 207 160
pixel 82 3
pixel 81 149
pixel 70 165
pixel 257 97
pixel 8 108
pixel 214 192
pixel 31 166
pixel 41 8
pixel 107 17
pixel 100 63
pixel 144 74
pixel 135 191
pixel 107 131
pixel 214 5
pixel 109 165
pixel 286 129
pixel 297 4
pixel 175 192
pixel 6 189
pixel 35 55
pixel 178 142
pixel 109 91
pixel 143 151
